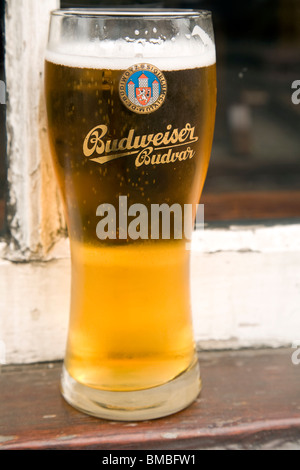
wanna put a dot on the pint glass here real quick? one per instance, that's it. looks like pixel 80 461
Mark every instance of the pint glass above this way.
pixel 131 97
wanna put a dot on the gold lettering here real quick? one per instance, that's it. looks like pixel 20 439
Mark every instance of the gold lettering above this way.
pixel 95 138
pixel 156 159
pixel 142 146
pixel 143 157
pixel 183 134
pixel 174 137
pixel 158 139
pixel 166 158
pixel 126 143
pixel 111 146
pixel 192 130
pixel 174 157
pixel 142 141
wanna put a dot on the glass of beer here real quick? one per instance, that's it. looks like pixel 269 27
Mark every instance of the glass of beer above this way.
pixel 131 98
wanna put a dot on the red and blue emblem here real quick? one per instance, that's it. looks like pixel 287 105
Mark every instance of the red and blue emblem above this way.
pixel 143 88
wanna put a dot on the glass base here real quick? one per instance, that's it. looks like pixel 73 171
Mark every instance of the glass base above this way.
pixel 138 405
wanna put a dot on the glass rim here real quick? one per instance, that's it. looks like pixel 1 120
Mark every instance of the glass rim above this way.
pixel 130 13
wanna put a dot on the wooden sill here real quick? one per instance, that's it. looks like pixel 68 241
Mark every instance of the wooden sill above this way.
pixel 250 399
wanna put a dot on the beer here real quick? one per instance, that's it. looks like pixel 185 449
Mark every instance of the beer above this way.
pixel 130 321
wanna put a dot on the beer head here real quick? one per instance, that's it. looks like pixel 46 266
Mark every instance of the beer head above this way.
pixel 169 40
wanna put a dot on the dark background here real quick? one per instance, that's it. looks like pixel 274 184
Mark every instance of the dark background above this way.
pixel 255 166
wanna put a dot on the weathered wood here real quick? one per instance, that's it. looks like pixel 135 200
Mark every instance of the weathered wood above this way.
pixel 250 399
pixel 35 212
pixel 255 205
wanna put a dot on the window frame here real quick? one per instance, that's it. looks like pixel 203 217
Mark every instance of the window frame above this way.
pixel 35 258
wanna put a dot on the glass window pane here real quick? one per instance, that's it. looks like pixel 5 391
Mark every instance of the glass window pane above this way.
pixel 255 165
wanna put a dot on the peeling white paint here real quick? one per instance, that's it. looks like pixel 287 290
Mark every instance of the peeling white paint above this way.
pixel 28 288
pixel 169 435
pixel 35 215
pixel 239 298
pixel 257 238
pixel 4 439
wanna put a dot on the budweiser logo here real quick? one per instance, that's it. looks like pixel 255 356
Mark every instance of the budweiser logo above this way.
pixel 170 146
pixel 143 88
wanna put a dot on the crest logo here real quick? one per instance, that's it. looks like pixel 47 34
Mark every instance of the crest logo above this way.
pixel 143 88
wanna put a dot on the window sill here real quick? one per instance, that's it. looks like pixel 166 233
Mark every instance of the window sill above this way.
pixel 253 269
pixel 250 400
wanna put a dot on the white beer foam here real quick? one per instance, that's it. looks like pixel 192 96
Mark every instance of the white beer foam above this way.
pixel 192 51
